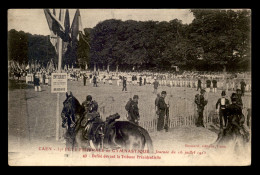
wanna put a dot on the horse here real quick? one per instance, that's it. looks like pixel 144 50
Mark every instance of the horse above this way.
pixel 232 137
pixel 71 120
pixel 114 134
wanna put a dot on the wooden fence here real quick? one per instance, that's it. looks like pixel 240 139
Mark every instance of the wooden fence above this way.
pixel 182 112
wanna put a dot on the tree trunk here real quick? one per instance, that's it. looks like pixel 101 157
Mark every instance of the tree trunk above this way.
pixel 108 67
pixel 117 68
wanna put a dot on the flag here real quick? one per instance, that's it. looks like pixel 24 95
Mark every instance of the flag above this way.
pixel 67 38
pixel 76 26
pixel 86 67
pixel 77 31
pixel 55 24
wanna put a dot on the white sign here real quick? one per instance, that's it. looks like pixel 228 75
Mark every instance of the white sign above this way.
pixel 58 82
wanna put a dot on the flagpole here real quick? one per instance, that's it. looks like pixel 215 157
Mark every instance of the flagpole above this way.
pixel 59 71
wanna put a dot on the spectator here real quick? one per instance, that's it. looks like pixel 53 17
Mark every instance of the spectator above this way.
pixel 155 85
pixel 214 85
pixel 124 84
pixel 243 85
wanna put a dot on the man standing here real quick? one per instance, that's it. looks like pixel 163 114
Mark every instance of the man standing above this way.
pixel 95 81
pixel 133 111
pixel 201 103
pixel 124 84
pixel 208 83
pixel 37 86
pixel 84 79
pixel 243 85
pixel 199 84
pixel 162 107
pixel 214 85
pixel 155 85
pixel 221 106
pixel 140 81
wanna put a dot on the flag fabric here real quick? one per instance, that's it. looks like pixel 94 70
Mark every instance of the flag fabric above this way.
pixel 67 38
pixel 76 26
pixel 55 25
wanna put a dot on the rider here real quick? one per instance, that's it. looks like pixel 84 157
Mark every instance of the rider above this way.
pixel 236 118
pixel 90 114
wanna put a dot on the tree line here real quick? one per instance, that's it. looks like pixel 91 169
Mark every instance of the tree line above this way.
pixel 215 39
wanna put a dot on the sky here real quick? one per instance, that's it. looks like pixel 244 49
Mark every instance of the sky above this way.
pixel 34 21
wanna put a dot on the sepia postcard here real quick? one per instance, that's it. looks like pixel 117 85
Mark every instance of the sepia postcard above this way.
pixel 129 87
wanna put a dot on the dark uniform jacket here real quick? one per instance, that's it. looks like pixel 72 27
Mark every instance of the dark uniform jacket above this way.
pixel 201 103
pixel 162 106
pixel 214 83
pixel 199 82
pixel 124 82
pixel 208 82
pixel 134 111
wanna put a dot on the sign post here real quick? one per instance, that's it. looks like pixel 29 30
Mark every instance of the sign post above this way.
pixel 58 86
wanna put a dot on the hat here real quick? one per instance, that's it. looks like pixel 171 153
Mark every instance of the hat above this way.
pixel 135 97
pixel 223 93
pixel 89 98
pixel 202 91
pixel 234 96
pixel 163 92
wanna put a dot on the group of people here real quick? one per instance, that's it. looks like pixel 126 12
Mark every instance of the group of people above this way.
pixel 231 118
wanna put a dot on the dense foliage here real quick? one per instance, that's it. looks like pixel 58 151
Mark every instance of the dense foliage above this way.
pixel 215 39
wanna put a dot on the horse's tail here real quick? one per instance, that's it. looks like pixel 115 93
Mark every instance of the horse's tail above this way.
pixel 148 139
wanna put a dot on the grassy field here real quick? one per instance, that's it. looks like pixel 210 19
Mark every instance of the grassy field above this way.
pixel 32 115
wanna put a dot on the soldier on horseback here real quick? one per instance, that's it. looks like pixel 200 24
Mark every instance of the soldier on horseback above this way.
pixel 236 121
pixel 90 114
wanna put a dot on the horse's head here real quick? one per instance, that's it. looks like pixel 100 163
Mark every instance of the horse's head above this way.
pixel 70 110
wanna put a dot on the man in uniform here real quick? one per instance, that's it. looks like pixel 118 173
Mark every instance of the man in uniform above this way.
pixel 162 107
pixel 199 85
pixel 214 81
pixel 243 85
pixel 124 84
pixel 221 106
pixel 140 80
pixel 84 79
pixel 201 103
pixel 208 83
pixel 90 113
pixel 133 111
pixel 155 85
pixel 236 121
pixel 95 81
